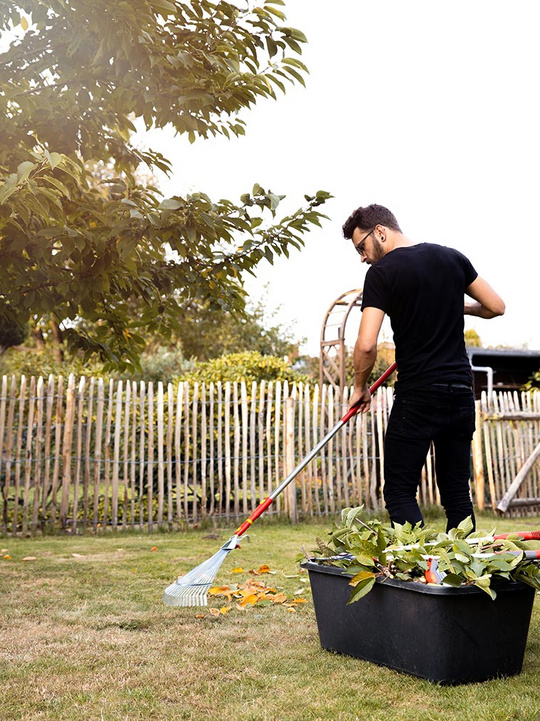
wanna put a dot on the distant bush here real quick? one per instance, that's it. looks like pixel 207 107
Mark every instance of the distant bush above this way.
pixel 32 362
pixel 246 366
pixel 533 384
pixel 162 364
pixel 157 364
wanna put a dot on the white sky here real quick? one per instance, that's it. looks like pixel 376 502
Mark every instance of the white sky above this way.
pixel 429 108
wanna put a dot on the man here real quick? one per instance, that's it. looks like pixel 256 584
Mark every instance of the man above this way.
pixel 421 287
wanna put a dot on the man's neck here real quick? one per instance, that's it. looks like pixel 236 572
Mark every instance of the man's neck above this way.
pixel 397 240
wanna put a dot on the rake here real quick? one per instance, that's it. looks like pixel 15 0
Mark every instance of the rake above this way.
pixel 192 589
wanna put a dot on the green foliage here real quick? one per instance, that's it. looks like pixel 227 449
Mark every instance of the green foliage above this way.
pixel 204 335
pixel 533 383
pixel 31 362
pixel 472 339
pixel 82 248
pixel 12 333
pixel 246 366
pixel 375 550
pixel 385 357
pixel 162 364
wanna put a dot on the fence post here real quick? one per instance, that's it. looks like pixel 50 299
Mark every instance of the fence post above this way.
pixel 290 491
pixel 66 451
pixel 478 461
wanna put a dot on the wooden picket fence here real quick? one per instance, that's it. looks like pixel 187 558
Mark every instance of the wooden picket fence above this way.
pixel 507 446
pixel 80 454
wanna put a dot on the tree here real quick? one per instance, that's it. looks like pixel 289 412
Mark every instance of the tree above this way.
pixel 75 248
pixel 204 335
pixel 11 334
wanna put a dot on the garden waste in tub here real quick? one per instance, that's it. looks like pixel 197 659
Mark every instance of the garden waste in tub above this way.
pixel 382 592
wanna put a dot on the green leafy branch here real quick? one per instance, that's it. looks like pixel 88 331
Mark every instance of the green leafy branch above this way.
pixel 374 550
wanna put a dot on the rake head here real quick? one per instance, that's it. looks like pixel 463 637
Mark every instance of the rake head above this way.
pixel 192 589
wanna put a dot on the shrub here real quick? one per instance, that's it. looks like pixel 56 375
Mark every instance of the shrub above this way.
pixel 247 366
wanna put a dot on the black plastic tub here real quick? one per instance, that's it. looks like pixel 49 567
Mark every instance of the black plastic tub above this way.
pixel 444 634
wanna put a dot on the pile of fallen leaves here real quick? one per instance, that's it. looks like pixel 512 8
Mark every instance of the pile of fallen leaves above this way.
pixel 252 592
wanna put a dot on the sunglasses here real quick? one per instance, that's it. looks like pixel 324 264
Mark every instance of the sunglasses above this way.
pixel 360 247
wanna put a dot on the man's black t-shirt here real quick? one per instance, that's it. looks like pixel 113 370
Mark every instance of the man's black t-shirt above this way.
pixel 421 289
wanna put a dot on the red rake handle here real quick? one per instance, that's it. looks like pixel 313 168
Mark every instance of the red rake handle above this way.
pixel 522 535
pixel 261 508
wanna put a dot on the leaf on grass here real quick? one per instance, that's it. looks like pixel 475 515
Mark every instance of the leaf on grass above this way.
pixel 262 569
pixel 251 599
pixel 225 609
pixel 237 570
pixel 154 548
pixel 291 610
pixel 214 612
pixel 30 558
pixel 253 592
pixel 77 555
pixel 226 591
pixel 200 615
pixel 7 557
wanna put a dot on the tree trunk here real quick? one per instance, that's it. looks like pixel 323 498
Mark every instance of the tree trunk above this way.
pixel 37 335
pixel 58 339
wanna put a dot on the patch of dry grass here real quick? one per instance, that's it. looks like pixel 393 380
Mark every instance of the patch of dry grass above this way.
pixel 86 636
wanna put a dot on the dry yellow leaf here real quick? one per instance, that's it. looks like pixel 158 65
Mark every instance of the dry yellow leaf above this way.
pixel 154 548
pixel 214 611
pixel 291 610
pixel 24 23
pixel 237 570
pixel 222 591
pixel 7 557
pixel 252 599
pixel 225 609
pixel 30 558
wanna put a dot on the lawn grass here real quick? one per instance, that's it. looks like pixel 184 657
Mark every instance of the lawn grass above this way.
pixel 85 636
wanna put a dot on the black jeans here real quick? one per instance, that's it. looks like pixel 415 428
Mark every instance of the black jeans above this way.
pixel 443 413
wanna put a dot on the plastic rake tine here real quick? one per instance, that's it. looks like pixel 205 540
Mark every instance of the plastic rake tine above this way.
pixel 192 589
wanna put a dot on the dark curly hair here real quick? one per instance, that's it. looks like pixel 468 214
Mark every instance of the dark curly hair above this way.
pixel 369 217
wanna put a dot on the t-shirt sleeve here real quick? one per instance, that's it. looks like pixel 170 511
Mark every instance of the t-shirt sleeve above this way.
pixel 375 292
pixel 469 272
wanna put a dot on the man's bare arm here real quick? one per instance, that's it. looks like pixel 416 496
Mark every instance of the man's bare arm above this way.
pixel 365 355
pixel 487 303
